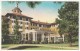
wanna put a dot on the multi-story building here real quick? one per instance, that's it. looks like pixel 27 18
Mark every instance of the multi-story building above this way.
pixel 32 30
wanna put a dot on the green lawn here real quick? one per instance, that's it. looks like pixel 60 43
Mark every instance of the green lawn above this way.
pixel 39 47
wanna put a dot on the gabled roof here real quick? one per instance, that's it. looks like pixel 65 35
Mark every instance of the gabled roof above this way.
pixel 17 14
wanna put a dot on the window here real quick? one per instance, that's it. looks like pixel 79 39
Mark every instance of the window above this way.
pixel 18 11
pixel 20 27
pixel 39 25
pixel 12 21
pixel 27 27
pixel 9 17
pixel 42 26
pixel 20 18
pixel 35 24
pixel 26 19
pixel 12 26
pixel 53 25
pixel 27 36
pixel 23 36
pixel 27 23
pixel 21 22
pixel 13 17
pixel 31 28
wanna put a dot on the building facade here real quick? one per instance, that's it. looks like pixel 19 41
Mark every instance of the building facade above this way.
pixel 34 31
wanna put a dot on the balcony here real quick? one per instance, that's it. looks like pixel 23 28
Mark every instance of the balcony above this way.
pixel 45 29
pixel 26 25
pixel 13 24
pixel 41 28
pixel 20 30
pixel 13 19
pixel 20 20
pixel 25 21
pixel 20 24
pixel 34 27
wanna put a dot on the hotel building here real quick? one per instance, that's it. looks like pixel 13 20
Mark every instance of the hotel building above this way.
pixel 34 31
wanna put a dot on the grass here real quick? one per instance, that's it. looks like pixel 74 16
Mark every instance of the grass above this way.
pixel 38 47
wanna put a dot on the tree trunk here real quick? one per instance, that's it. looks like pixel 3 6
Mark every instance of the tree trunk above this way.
pixel 70 39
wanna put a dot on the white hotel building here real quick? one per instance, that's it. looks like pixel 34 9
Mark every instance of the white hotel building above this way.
pixel 34 31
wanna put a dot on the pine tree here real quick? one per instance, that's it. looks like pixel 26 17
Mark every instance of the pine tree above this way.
pixel 68 22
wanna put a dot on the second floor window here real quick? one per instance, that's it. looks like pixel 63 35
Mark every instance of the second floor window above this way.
pixel 12 21
pixel 27 23
pixel 21 22
pixel 27 28
pixel 20 27
pixel 20 18
pixel 13 17
pixel 26 19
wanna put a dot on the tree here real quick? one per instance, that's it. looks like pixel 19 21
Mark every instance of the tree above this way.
pixel 5 31
pixel 31 4
pixel 17 34
pixel 54 30
pixel 68 20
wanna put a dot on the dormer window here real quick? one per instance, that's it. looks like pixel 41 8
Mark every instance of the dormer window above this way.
pixel 18 11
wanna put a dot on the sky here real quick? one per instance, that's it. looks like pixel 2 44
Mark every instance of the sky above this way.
pixel 46 11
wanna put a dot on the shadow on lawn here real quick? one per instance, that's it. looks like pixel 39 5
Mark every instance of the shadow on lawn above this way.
pixel 23 47
pixel 74 45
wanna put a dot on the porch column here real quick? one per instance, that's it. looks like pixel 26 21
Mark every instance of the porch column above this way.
pixel 42 37
pixel 22 37
pixel 49 38
pixel 34 37
pixel 63 38
pixel 25 37
pixel 28 37
pixel 54 39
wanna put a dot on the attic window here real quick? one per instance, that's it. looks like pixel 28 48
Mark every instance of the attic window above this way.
pixel 18 11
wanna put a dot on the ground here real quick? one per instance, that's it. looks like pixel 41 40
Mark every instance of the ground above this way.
pixel 38 47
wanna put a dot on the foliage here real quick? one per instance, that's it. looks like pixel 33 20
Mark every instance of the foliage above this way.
pixel 31 4
pixel 17 34
pixel 68 20
pixel 54 30
pixel 5 31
